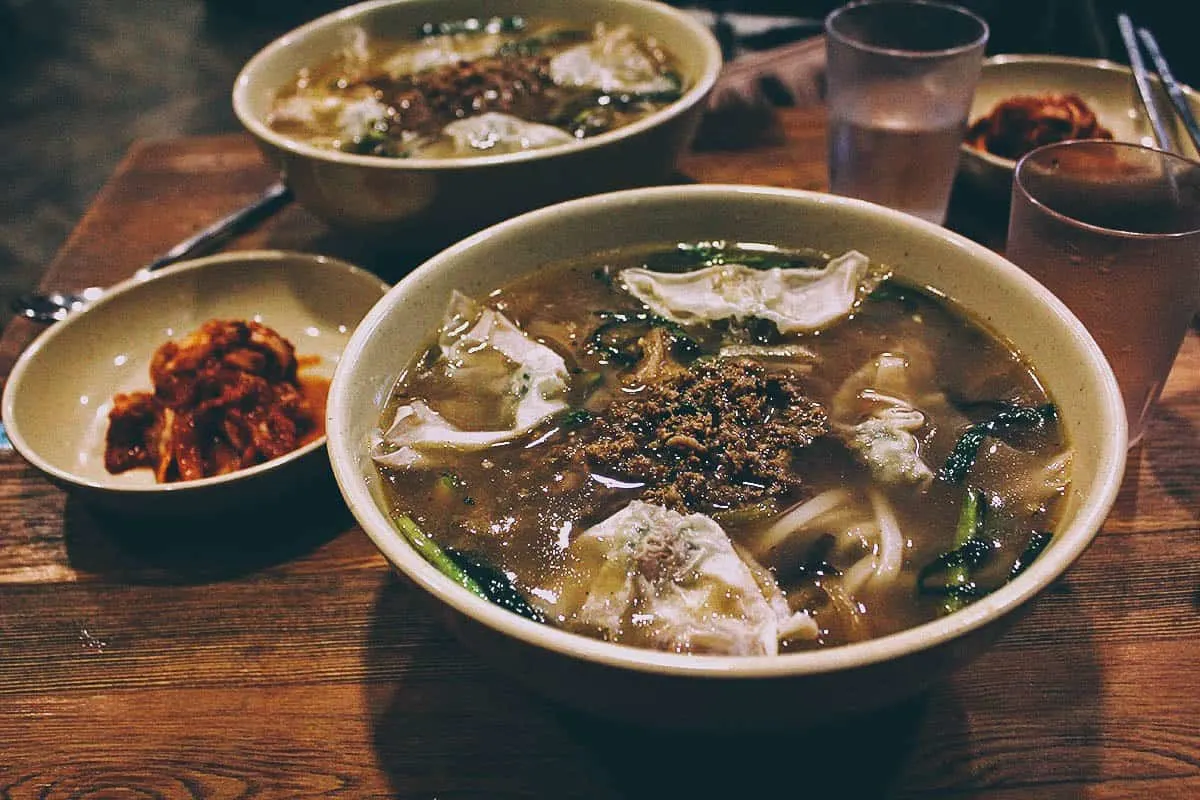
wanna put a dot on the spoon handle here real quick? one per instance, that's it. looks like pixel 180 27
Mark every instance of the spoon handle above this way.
pixel 272 199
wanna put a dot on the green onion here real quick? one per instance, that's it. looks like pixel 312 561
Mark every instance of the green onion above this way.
pixel 949 575
pixel 970 526
pixel 437 556
pixel 469 571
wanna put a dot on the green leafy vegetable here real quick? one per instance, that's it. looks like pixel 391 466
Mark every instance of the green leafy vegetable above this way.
pixel 474 25
pixel 451 480
pixel 577 418
pixel 1009 419
pixel 686 256
pixel 617 336
pixel 890 291
pixel 970 528
pixel 375 142
pixel 950 575
pixel 1037 543
pixel 748 514
pixel 533 45
pixel 496 585
pixel 469 571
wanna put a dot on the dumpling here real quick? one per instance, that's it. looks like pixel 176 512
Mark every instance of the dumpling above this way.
pixel 651 576
pixel 359 117
pixel 879 410
pixel 494 133
pixel 489 358
pixel 439 51
pixel 616 61
pixel 797 300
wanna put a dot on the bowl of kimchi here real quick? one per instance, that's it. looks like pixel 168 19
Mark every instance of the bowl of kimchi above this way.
pixel 434 119
pixel 192 389
pixel 1025 101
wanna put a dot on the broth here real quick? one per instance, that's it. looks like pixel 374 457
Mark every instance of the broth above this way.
pixel 823 525
pixel 477 87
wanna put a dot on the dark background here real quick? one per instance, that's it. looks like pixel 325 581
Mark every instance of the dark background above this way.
pixel 82 80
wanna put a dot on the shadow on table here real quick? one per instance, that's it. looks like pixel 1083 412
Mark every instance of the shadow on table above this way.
pixel 1031 718
pixel 1171 449
pixel 201 549
pixel 391 251
pixel 445 723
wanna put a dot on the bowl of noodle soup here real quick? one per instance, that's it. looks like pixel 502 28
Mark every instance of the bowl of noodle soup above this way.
pixel 718 455
pixel 438 117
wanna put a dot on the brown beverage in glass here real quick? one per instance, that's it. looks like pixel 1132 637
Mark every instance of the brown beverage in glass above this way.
pixel 1113 229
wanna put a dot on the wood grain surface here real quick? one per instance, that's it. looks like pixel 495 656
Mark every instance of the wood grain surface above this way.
pixel 278 657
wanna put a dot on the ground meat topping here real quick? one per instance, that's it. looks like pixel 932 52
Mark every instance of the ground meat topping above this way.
pixel 713 436
pixel 428 100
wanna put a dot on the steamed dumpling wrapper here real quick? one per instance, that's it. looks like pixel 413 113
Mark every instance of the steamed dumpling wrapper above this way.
pixel 315 106
pixel 494 133
pixel 616 61
pixel 879 410
pixel 798 299
pixel 490 359
pixel 649 575
pixel 439 51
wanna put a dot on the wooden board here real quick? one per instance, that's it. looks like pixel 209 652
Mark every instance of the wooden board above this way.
pixel 281 658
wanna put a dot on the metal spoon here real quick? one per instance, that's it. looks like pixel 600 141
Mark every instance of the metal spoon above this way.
pixel 54 306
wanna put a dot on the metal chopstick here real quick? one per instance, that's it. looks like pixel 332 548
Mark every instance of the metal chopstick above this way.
pixel 1174 90
pixel 1161 132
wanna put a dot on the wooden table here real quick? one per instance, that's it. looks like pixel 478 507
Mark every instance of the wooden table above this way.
pixel 283 660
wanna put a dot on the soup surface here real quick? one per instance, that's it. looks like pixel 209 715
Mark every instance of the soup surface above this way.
pixel 477 87
pixel 719 448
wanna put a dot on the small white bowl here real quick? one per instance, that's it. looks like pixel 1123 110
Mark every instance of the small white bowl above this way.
pixel 56 402
pixel 1107 87
pixel 792 689
pixel 444 199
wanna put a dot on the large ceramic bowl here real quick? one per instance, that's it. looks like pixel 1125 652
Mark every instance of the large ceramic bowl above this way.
pixel 447 198
pixel 58 396
pixel 1108 88
pixel 714 690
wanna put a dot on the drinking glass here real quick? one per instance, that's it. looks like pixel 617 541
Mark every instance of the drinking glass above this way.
pixel 900 76
pixel 1113 229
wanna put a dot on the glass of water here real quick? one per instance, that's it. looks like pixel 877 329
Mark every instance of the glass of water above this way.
pixel 900 77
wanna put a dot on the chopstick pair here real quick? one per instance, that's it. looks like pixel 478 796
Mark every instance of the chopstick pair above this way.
pixel 1174 91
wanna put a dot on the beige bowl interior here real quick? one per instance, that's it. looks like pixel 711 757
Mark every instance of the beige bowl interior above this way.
pixel 57 399
pixel 1107 87
pixel 996 293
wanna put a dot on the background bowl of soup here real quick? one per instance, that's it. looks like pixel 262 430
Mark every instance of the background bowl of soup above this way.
pixel 596 126
pixel 1000 310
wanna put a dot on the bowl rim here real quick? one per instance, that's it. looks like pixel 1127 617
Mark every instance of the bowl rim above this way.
pixel 244 84
pixel 1072 541
pixel 1102 64
pixel 29 357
